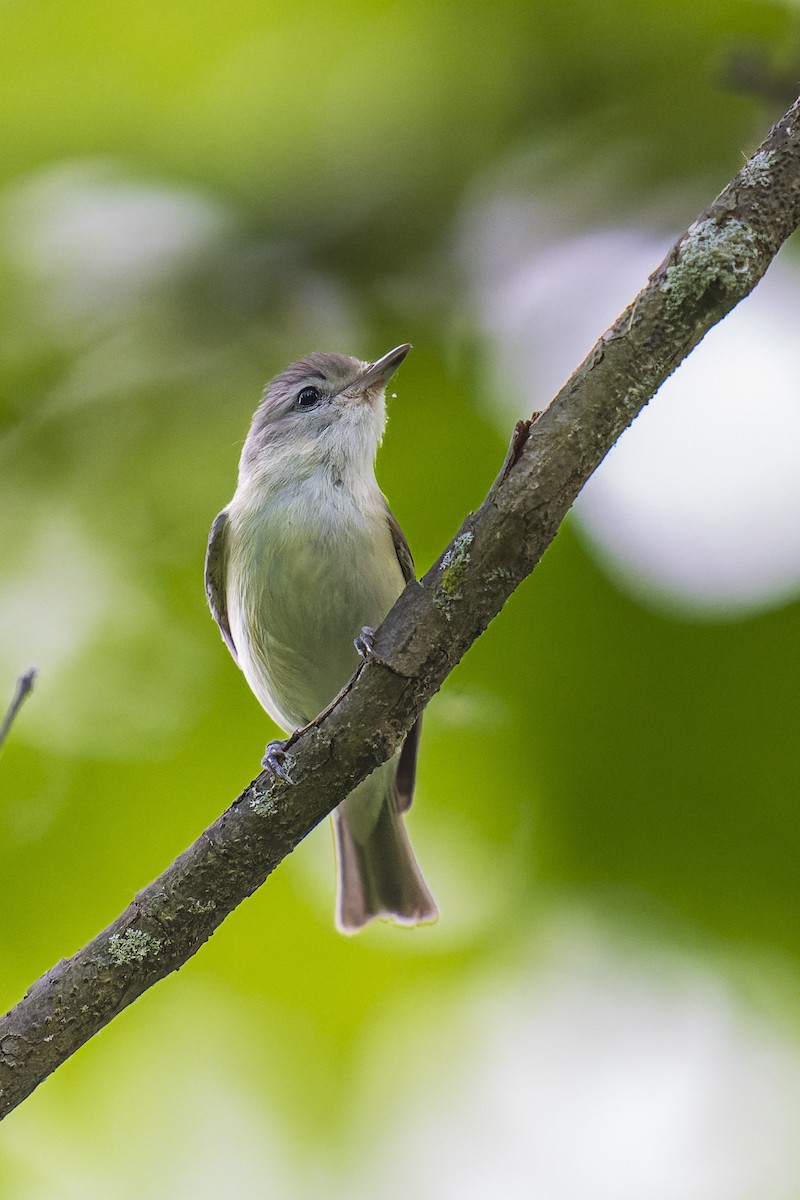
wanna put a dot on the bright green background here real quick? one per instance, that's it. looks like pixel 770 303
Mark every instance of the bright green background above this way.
pixel 590 756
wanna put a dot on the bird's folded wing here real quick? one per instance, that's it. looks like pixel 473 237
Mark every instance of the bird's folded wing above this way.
pixel 216 564
pixel 407 766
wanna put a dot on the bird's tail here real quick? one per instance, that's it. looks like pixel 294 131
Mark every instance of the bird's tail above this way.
pixel 378 873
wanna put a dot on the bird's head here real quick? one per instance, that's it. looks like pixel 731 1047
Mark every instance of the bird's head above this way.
pixel 325 411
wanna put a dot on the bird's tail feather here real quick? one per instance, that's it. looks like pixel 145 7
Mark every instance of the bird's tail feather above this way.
pixel 378 873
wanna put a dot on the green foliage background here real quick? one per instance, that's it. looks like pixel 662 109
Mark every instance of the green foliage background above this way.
pixel 590 755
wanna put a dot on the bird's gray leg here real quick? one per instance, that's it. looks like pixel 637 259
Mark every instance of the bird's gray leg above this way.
pixel 365 643
pixel 275 760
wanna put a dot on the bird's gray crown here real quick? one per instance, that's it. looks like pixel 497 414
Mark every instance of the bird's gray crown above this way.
pixel 332 372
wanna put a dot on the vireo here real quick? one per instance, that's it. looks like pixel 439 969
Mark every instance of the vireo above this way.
pixel 301 566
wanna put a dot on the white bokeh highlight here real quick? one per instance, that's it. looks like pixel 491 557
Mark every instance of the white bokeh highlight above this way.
pixel 96 241
pixel 599 1072
pixel 700 499
pixel 695 510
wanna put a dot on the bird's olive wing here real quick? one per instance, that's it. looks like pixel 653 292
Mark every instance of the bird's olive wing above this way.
pixel 400 547
pixel 407 766
pixel 216 564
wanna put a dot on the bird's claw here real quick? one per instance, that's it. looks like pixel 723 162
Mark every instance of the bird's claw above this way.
pixel 365 643
pixel 275 760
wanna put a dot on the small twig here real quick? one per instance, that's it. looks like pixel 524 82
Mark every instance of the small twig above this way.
pixel 24 688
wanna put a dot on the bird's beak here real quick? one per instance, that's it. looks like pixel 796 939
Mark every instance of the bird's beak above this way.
pixel 380 372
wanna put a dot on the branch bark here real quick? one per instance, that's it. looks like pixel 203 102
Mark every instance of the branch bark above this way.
pixel 717 262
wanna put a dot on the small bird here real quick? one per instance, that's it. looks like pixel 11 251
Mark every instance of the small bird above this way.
pixel 302 565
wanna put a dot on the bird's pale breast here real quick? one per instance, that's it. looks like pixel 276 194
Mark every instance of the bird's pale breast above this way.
pixel 306 570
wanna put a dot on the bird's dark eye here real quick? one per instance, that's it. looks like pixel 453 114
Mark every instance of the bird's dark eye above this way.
pixel 308 397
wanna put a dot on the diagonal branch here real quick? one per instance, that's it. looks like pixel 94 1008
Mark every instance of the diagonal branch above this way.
pixel 23 689
pixel 714 264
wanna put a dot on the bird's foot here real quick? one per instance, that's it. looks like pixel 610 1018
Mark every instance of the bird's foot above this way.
pixel 365 643
pixel 275 760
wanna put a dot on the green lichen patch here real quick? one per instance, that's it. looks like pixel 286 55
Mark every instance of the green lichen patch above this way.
pixel 134 946
pixel 261 802
pixel 758 172
pixel 454 571
pixel 722 254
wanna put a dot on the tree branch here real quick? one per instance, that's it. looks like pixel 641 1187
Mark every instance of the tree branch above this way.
pixel 714 264
pixel 24 688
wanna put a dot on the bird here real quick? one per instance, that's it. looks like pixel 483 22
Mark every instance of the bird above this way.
pixel 302 565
